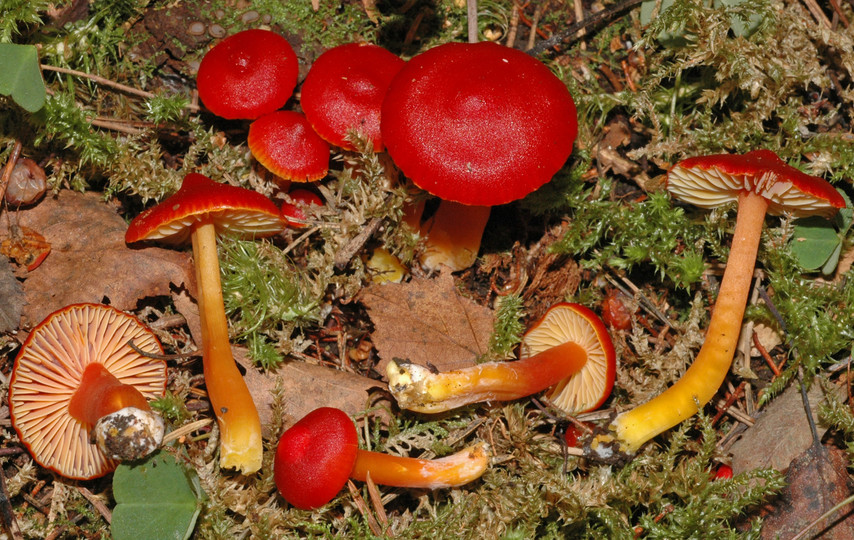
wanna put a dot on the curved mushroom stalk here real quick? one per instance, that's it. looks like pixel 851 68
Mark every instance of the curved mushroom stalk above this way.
pixel 700 383
pixel 123 425
pixel 418 389
pixel 237 417
pixel 761 183
pixel 455 470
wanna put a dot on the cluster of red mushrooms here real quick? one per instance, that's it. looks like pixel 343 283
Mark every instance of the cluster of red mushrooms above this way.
pixel 475 125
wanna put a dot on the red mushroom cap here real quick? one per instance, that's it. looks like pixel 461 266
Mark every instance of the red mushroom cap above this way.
pixel 314 458
pixel 344 91
pixel 714 180
pixel 286 144
pixel 248 74
pixel 591 386
pixel 480 124
pixel 49 368
pixel 232 209
pixel 300 198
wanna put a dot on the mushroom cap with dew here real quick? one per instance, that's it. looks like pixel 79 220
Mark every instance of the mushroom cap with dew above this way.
pixel 344 91
pixel 48 371
pixel 314 458
pixel 587 389
pixel 286 145
pixel 232 209
pixel 248 74
pixel 714 180
pixel 480 124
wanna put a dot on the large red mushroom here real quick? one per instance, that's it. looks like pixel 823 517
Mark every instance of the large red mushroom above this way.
pixel 198 211
pixel 478 125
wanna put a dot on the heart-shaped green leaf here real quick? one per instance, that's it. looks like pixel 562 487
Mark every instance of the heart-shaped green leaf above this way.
pixel 21 77
pixel 157 499
pixel 813 242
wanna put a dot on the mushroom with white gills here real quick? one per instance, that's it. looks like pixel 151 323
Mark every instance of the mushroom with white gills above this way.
pixel 477 125
pixel 567 351
pixel 199 211
pixel 760 182
pixel 76 376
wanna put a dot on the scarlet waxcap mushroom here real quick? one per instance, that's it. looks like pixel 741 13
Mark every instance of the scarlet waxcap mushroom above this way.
pixel 197 211
pixel 285 143
pixel 315 456
pixel 344 91
pixel 248 74
pixel 761 182
pixel 293 212
pixel 567 349
pixel 478 124
pixel 75 372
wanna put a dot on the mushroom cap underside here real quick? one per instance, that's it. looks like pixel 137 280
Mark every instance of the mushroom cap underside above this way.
pixel 714 180
pixel 48 371
pixel 232 209
pixel 591 386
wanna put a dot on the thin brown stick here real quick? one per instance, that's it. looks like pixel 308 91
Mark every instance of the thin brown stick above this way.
pixel 571 31
pixel 10 166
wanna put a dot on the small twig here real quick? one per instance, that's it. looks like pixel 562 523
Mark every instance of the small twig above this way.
pixel 765 355
pixel 803 532
pixel 186 429
pixel 97 503
pixel 571 31
pixel 10 166
pixel 349 250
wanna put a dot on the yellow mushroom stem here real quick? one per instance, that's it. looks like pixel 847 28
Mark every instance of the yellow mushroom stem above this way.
pixel 418 389
pixel 239 424
pixel 700 383
pixel 453 235
pixel 457 469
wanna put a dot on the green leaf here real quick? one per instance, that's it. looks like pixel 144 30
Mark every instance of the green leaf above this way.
pixel 21 77
pixel 156 499
pixel 813 242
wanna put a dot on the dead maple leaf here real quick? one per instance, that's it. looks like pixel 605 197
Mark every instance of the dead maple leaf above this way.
pixel 427 322
pixel 89 260
pixel 13 298
pixel 816 481
pixel 780 434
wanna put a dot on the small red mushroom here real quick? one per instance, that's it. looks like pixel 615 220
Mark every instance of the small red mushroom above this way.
pixel 248 74
pixel 568 351
pixel 286 145
pixel 478 125
pixel 76 378
pixel 198 211
pixel 344 90
pixel 293 212
pixel 316 456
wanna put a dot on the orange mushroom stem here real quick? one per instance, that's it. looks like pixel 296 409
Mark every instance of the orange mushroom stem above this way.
pixel 454 470
pixel 418 389
pixel 241 445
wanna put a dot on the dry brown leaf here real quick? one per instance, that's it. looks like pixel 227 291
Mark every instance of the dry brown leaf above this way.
pixel 816 482
pixel 13 298
pixel 780 434
pixel 89 260
pixel 304 387
pixel 426 321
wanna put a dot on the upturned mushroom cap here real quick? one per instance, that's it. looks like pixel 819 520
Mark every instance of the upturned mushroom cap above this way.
pixel 286 145
pixel 248 74
pixel 591 386
pixel 48 371
pixel 232 209
pixel 344 91
pixel 714 180
pixel 480 124
pixel 314 458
